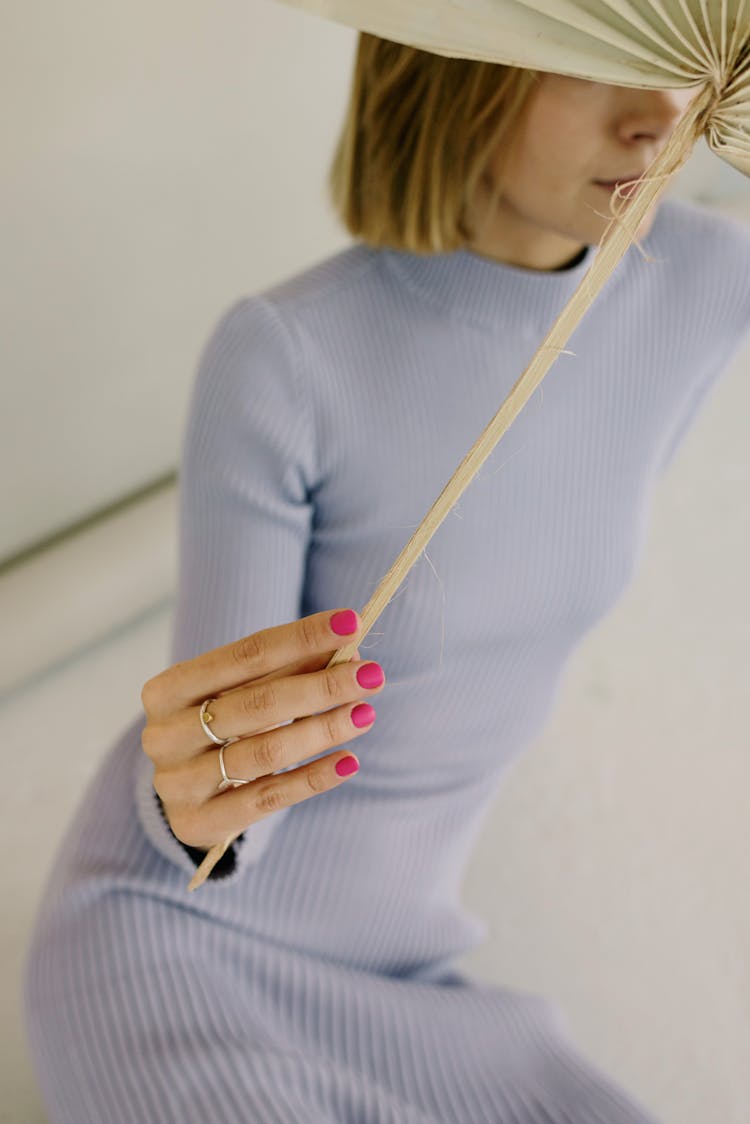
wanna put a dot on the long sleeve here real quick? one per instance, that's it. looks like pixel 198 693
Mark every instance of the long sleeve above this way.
pixel 247 468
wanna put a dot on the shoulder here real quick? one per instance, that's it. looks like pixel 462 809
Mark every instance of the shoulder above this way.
pixel 272 347
pixel 285 318
pixel 699 225
pixel 265 318
pixel 325 281
pixel 705 252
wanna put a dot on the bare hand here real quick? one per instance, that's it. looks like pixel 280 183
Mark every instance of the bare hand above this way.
pixel 259 683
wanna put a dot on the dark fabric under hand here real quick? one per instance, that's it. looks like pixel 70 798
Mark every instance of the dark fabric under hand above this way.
pixel 226 863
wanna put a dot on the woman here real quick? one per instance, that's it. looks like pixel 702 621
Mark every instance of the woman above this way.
pixel 312 977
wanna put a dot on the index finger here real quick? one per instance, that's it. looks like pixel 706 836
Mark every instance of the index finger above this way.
pixel 260 653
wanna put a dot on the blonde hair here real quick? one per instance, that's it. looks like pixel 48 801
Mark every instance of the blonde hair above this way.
pixel 419 131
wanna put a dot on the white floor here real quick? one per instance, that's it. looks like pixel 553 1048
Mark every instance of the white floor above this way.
pixel 613 870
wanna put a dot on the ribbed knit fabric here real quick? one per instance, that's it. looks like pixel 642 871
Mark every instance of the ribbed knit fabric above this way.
pixel 315 981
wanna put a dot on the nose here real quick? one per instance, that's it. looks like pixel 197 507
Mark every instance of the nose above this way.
pixel 651 115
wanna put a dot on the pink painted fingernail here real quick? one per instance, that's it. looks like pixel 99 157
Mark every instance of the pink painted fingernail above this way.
pixel 347 766
pixel 344 623
pixel 370 675
pixel 363 715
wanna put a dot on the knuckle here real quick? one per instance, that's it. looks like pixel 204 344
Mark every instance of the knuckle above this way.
pixel 162 785
pixel 259 698
pixel 331 685
pixel 250 651
pixel 150 740
pixel 332 727
pixel 157 692
pixel 151 693
pixel 270 799
pixel 184 824
pixel 309 633
pixel 269 753
pixel 317 780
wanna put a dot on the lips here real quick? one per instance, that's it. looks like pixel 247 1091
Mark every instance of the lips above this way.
pixel 624 180
pixel 628 186
pixel 620 179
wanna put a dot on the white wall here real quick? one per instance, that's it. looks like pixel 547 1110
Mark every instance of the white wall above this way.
pixel 159 161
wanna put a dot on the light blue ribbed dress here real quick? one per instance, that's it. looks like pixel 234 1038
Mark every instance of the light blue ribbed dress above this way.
pixel 315 982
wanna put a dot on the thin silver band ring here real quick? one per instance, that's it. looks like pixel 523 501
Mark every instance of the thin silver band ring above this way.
pixel 226 781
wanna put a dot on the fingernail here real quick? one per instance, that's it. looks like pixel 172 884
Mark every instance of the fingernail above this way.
pixel 344 623
pixel 370 675
pixel 363 715
pixel 347 766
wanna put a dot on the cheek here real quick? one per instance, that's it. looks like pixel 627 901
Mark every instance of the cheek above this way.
pixel 550 169
pixel 556 144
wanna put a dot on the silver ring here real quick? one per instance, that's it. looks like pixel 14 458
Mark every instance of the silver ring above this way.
pixel 228 782
pixel 205 717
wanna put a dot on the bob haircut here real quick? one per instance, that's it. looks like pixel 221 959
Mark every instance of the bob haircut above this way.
pixel 418 133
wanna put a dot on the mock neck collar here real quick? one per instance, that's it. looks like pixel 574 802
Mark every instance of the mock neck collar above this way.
pixel 487 292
